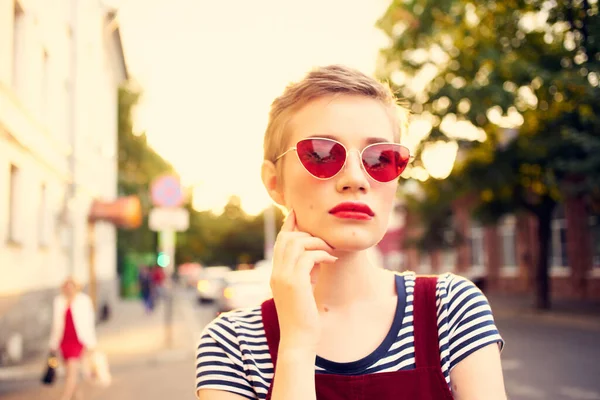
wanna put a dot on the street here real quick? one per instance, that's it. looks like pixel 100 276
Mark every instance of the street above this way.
pixel 543 359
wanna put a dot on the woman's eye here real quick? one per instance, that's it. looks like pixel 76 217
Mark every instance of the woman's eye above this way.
pixel 319 157
pixel 383 159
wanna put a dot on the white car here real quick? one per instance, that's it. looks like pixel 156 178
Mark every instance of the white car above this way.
pixel 211 282
pixel 246 288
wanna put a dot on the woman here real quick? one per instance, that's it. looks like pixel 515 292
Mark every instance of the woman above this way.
pixel 338 327
pixel 73 332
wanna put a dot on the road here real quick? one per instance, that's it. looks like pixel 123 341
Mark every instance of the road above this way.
pixel 545 360
pixel 541 360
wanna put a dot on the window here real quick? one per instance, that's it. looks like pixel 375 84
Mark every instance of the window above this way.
pixel 14 227
pixel 476 245
pixel 558 255
pixel 18 33
pixel 508 238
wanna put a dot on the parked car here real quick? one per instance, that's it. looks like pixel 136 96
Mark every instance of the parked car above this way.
pixel 245 288
pixel 211 283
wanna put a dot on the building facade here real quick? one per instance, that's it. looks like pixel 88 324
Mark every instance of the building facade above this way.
pixel 60 67
pixel 505 254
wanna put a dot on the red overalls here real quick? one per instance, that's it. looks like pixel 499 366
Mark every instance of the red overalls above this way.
pixel 426 382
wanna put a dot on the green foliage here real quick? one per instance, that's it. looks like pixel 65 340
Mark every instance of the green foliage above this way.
pixel 227 239
pixel 544 65
pixel 138 165
pixel 434 208
pixel 532 59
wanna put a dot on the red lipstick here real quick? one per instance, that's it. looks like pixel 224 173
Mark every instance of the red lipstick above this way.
pixel 352 210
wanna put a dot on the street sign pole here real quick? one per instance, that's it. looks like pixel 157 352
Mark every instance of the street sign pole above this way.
pixel 167 218
pixel 167 246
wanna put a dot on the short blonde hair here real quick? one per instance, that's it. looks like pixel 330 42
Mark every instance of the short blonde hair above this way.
pixel 321 82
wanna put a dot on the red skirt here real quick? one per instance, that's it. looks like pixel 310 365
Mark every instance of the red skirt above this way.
pixel 70 346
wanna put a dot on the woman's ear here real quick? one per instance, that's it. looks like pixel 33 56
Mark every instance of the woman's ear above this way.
pixel 269 178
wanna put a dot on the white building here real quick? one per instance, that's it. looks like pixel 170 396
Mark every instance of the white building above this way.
pixel 61 63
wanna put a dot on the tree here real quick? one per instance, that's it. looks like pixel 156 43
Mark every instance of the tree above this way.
pixel 230 238
pixel 533 64
pixel 138 165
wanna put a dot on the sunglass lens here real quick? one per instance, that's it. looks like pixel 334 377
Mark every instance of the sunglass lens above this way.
pixel 385 161
pixel 322 158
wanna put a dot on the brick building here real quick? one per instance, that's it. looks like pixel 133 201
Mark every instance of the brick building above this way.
pixel 505 253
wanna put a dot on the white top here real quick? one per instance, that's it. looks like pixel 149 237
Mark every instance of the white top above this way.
pixel 84 320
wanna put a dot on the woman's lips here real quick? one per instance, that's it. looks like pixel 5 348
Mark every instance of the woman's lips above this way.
pixel 352 210
pixel 352 215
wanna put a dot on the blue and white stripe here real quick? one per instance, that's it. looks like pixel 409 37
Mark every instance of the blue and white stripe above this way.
pixel 233 354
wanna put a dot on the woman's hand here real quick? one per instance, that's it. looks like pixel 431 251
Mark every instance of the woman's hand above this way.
pixel 295 256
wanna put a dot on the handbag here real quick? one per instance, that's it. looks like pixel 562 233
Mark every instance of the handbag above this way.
pixel 97 369
pixel 51 365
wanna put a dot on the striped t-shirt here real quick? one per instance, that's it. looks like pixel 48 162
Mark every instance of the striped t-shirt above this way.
pixel 233 355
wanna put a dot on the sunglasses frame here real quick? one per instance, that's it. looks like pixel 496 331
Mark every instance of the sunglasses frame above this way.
pixel 295 148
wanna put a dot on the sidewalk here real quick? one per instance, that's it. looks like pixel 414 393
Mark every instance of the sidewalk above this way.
pixel 129 337
pixel 584 314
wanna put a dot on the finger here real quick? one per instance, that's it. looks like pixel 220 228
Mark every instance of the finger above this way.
pixel 303 243
pixel 289 223
pixel 309 259
pixel 283 241
pixel 298 245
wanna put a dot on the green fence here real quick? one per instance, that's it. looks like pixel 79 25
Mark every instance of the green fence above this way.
pixel 129 277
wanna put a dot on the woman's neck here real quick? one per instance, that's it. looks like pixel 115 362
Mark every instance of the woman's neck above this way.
pixel 352 278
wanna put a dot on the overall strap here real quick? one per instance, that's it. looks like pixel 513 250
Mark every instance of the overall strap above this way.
pixel 271 325
pixel 427 351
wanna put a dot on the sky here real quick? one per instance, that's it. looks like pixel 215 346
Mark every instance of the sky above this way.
pixel 210 69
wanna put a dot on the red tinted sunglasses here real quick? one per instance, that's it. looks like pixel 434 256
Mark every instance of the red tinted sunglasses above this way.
pixel 324 158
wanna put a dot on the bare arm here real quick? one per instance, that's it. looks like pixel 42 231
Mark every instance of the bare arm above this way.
pixel 295 255
pixel 295 376
pixel 479 376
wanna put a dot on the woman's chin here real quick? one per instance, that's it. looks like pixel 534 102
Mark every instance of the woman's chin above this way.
pixel 350 241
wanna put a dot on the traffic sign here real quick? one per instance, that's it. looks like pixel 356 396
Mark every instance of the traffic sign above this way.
pixel 169 219
pixel 166 191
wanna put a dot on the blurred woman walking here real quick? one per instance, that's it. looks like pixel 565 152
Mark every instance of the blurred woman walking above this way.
pixel 73 332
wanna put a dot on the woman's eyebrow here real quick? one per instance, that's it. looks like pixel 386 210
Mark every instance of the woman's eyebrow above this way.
pixel 369 140
pixel 372 140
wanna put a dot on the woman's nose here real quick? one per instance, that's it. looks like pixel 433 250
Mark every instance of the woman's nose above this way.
pixel 353 177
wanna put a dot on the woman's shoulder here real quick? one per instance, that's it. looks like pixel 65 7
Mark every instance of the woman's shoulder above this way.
pixel 451 289
pixel 446 283
pixel 235 323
